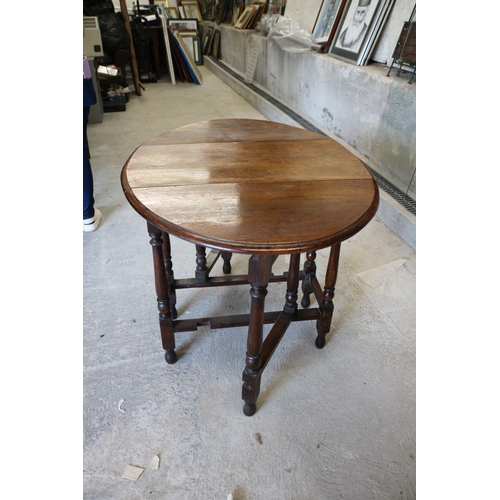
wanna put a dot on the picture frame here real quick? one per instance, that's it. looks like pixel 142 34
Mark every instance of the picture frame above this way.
pixel 188 42
pixel 172 13
pixel 192 10
pixel 207 41
pixel 183 24
pixel 261 8
pixel 188 60
pixel 237 11
pixel 328 19
pixel 354 29
pixel 186 33
pixel 198 55
pixel 245 17
pixel 164 23
pixel 216 44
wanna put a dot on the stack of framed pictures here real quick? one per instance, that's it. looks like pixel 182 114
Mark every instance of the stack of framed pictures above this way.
pixel 250 16
pixel 183 47
pixel 349 29
pixel 187 29
pixel 211 43
pixel 186 61
pixel 237 11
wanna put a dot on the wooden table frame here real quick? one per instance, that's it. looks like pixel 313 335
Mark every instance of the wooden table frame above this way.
pixel 200 183
pixel 259 351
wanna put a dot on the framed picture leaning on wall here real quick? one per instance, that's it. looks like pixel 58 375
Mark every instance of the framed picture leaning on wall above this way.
pixel 328 19
pixel 354 28
pixel 192 10
pixel 172 13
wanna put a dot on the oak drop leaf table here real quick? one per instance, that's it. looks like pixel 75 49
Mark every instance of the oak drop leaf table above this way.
pixel 252 187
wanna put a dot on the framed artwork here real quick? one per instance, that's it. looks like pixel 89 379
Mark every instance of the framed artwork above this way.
pixel 172 13
pixel 328 19
pixel 198 56
pixel 243 19
pixel 192 10
pixel 354 28
pixel 207 41
pixel 216 45
pixel 164 24
pixel 238 9
pixel 188 42
pixel 183 24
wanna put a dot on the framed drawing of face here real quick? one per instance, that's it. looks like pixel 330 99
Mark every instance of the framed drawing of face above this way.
pixel 354 28
pixel 327 19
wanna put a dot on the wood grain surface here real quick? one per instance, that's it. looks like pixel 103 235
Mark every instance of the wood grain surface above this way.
pixel 250 186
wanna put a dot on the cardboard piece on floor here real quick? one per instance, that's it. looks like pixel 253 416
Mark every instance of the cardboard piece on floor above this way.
pixel 131 472
pixel 155 462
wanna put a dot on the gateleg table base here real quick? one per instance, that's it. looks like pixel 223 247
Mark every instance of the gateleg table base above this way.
pixel 259 350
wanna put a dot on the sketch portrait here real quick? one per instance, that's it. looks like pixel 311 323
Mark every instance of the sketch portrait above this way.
pixel 355 25
pixel 326 18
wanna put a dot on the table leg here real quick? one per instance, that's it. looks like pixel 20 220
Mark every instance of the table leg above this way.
pixel 162 293
pixel 201 272
pixel 326 307
pixel 307 284
pixel 226 257
pixel 167 258
pixel 292 285
pixel 259 272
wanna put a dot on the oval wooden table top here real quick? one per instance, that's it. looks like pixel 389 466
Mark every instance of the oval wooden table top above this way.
pixel 250 186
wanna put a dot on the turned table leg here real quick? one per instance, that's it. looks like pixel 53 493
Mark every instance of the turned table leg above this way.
pixel 162 293
pixel 167 258
pixel 226 257
pixel 326 307
pixel 307 285
pixel 292 285
pixel 259 271
pixel 201 272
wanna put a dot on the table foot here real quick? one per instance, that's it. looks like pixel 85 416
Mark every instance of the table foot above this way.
pixel 170 356
pixel 249 409
pixel 320 341
pixel 251 391
pixel 174 312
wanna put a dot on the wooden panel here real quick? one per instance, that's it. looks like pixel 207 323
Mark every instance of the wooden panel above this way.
pixel 233 130
pixel 242 162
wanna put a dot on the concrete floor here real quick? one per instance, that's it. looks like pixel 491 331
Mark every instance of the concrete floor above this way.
pixel 336 423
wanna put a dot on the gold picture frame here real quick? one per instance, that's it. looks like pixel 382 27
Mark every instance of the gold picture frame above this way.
pixel 192 10
pixel 237 11
pixel 245 17
pixel 172 13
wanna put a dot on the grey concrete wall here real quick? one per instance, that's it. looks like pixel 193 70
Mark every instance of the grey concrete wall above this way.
pixel 369 111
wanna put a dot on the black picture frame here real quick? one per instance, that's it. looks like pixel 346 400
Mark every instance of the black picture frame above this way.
pixel 198 54
pixel 183 24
